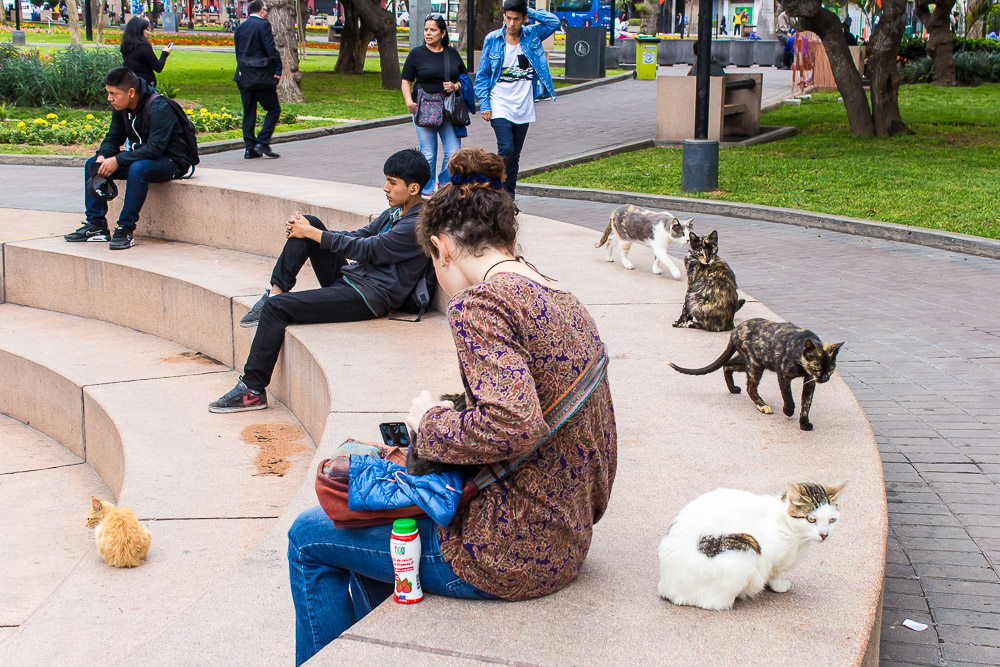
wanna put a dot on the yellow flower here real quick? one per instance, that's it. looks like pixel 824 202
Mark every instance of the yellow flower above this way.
pixel 62 122
pixel 225 115
pixel 204 110
pixel 189 112
pixel 40 121
pixel 74 133
pixel 51 115
pixel 86 127
pixel 21 124
pixel 222 109
pixel 90 116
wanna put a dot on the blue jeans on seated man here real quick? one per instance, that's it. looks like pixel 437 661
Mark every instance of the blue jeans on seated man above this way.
pixel 137 177
pixel 428 138
pixel 510 141
pixel 339 576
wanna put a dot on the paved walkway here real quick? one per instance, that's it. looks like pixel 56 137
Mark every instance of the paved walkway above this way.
pixel 922 355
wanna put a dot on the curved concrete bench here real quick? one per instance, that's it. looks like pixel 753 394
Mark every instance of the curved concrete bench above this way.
pixel 678 437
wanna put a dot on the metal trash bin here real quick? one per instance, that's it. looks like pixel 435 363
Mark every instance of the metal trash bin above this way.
pixel 585 53
pixel 741 53
pixel 645 57
pixel 169 21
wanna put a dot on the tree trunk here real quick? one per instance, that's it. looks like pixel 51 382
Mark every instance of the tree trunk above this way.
pixel 940 45
pixel 883 51
pixel 765 21
pixel 95 20
pixel 811 16
pixel 382 25
pixel 74 23
pixel 354 40
pixel 486 20
pixel 281 16
pixel 647 17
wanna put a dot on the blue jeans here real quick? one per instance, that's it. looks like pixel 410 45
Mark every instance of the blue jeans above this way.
pixel 137 177
pixel 510 141
pixel 428 138
pixel 339 576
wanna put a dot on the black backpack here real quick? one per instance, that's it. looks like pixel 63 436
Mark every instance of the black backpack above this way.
pixel 187 127
pixel 419 300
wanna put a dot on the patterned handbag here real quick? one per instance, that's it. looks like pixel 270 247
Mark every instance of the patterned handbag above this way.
pixel 430 109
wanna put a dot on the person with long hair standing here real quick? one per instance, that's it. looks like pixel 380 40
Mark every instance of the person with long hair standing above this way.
pixel 513 73
pixel 435 66
pixel 522 345
pixel 138 52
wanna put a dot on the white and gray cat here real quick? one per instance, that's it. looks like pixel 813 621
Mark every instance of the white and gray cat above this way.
pixel 630 224
pixel 728 544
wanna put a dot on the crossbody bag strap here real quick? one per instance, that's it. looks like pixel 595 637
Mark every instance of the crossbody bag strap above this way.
pixel 556 415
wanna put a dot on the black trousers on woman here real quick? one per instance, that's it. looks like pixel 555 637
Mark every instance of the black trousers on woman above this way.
pixel 335 301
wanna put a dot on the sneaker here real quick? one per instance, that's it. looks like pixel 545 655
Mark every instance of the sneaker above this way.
pixel 240 399
pixel 253 317
pixel 89 232
pixel 122 239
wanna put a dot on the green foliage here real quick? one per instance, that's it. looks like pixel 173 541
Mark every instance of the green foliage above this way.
pixel 51 130
pixel 946 176
pixel 971 68
pixel 70 77
pixel 165 88
pixel 913 48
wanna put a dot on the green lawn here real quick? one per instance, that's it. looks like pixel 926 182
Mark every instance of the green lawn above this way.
pixel 946 176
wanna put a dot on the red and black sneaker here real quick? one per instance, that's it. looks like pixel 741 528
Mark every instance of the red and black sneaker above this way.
pixel 240 399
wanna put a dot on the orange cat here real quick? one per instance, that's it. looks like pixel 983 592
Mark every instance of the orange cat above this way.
pixel 121 539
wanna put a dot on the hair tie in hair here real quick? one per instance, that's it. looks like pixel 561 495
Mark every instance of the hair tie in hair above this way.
pixel 458 179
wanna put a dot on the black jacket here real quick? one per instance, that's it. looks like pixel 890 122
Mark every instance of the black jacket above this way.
pixel 161 136
pixel 255 37
pixel 144 63
pixel 388 264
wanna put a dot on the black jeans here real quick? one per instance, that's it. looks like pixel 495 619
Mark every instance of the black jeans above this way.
pixel 510 141
pixel 268 98
pixel 335 301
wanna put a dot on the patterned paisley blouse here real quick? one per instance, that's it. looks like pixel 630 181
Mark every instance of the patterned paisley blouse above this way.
pixel 520 346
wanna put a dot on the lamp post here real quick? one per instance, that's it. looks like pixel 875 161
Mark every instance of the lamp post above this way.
pixel 88 20
pixel 190 14
pixel 470 47
pixel 700 157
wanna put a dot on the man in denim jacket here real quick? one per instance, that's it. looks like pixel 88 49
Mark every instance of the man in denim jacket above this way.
pixel 513 73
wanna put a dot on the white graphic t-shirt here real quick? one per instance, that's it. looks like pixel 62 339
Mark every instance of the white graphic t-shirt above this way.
pixel 513 96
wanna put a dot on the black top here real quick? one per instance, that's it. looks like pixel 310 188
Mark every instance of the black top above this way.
pixel 427 68
pixel 254 40
pixel 144 62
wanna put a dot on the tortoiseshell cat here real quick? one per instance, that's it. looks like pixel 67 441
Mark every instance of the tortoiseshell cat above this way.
pixel 121 540
pixel 419 466
pixel 758 345
pixel 632 224
pixel 711 300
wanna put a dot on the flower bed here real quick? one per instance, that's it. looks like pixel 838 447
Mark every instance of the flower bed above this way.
pixel 47 31
pixel 162 39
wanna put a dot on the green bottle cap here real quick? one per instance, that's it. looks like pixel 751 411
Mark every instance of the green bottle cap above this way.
pixel 404 526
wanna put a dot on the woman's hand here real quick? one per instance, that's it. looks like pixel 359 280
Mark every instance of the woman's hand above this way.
pixel 419 407
pixel 450 87
pixel 412 107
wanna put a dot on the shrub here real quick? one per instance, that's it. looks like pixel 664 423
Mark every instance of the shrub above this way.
pixel 971 67
pixel 51 130
pixel 73 77
pixel 913 48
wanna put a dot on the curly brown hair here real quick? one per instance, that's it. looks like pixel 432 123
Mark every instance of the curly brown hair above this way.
pixel 477 214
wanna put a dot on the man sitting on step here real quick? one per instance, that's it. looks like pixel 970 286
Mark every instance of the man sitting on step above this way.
pixel 155 150
pixel 389 266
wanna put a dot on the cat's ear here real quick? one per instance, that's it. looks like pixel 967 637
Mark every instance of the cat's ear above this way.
pixel 808 346
pixel 833 492
pixel 832 350
pixel 96 504
pixel 793 492
pixel 714 236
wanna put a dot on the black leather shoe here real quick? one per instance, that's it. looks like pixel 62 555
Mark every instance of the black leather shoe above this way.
pixel 251 154
pixel 266 150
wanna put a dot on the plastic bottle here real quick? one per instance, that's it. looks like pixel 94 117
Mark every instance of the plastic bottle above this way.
pixel 405 547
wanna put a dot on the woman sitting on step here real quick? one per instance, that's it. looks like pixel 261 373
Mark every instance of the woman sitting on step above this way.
pixel 522 345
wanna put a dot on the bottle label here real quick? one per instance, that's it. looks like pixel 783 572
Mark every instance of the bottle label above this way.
pixel 405 550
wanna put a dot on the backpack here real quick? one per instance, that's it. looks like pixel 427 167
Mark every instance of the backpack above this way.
pixel 419 300
pixel 187 127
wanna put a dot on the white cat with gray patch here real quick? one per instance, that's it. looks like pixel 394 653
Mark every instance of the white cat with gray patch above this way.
pixel 728 544
pixel 630 224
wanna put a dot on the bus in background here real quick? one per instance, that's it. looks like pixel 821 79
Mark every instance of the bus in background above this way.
pixel 583 13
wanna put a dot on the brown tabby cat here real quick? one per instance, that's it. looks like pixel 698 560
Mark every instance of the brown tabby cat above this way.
pixel 711 300
pixel 782 347
pixel 121 540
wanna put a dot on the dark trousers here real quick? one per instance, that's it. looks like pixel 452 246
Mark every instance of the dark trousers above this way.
pixel 335 301
pixel 137 177
pixel 268 98
pixel 510 141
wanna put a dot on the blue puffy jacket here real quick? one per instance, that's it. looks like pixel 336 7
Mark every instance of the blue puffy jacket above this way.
pixel 380 484
pixel 491 60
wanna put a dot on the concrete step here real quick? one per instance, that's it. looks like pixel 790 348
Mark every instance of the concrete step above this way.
pixel 197 480
pixel 18 225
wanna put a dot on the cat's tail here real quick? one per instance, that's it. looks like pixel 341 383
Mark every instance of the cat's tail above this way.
pixel 604 237
pixel 712 367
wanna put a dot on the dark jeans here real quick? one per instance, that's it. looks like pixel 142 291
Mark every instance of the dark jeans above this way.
pixel 268 98
pixel 137 177
pixel 335 301
pixel 510 141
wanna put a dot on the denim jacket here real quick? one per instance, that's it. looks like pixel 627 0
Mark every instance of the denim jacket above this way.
pixel 491 61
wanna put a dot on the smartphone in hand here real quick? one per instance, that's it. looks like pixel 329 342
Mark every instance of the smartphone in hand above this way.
pixel 395 434
pixel 170 45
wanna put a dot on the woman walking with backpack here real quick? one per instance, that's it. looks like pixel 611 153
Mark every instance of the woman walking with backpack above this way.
pixel 435 67
pixel 138 52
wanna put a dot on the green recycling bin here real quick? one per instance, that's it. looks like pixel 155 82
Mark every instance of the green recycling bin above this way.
pixel 645 57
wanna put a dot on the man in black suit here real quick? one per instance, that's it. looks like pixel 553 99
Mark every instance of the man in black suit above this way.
pixel 255 48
